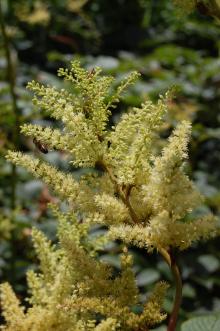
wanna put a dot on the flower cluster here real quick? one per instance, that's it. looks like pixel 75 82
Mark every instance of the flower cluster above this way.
pixel 141 195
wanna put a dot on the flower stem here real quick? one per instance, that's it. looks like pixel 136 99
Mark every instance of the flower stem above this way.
pixel 171 261
pixel 178 296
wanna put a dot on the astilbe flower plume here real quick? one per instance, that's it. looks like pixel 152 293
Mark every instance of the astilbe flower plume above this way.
pixel 142 197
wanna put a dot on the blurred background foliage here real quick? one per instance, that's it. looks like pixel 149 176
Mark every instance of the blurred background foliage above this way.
pixel 169 50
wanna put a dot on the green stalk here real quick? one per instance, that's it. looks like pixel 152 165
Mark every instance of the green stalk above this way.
pixel 11 80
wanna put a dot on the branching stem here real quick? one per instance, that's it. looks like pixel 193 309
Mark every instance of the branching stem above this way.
pixel 124 196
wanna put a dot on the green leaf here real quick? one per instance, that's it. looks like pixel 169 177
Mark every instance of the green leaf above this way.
pixel 147 276
pixel 189 291
pixel 113 260
pixel 161 328
pixel 209 262
pixel 202 323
